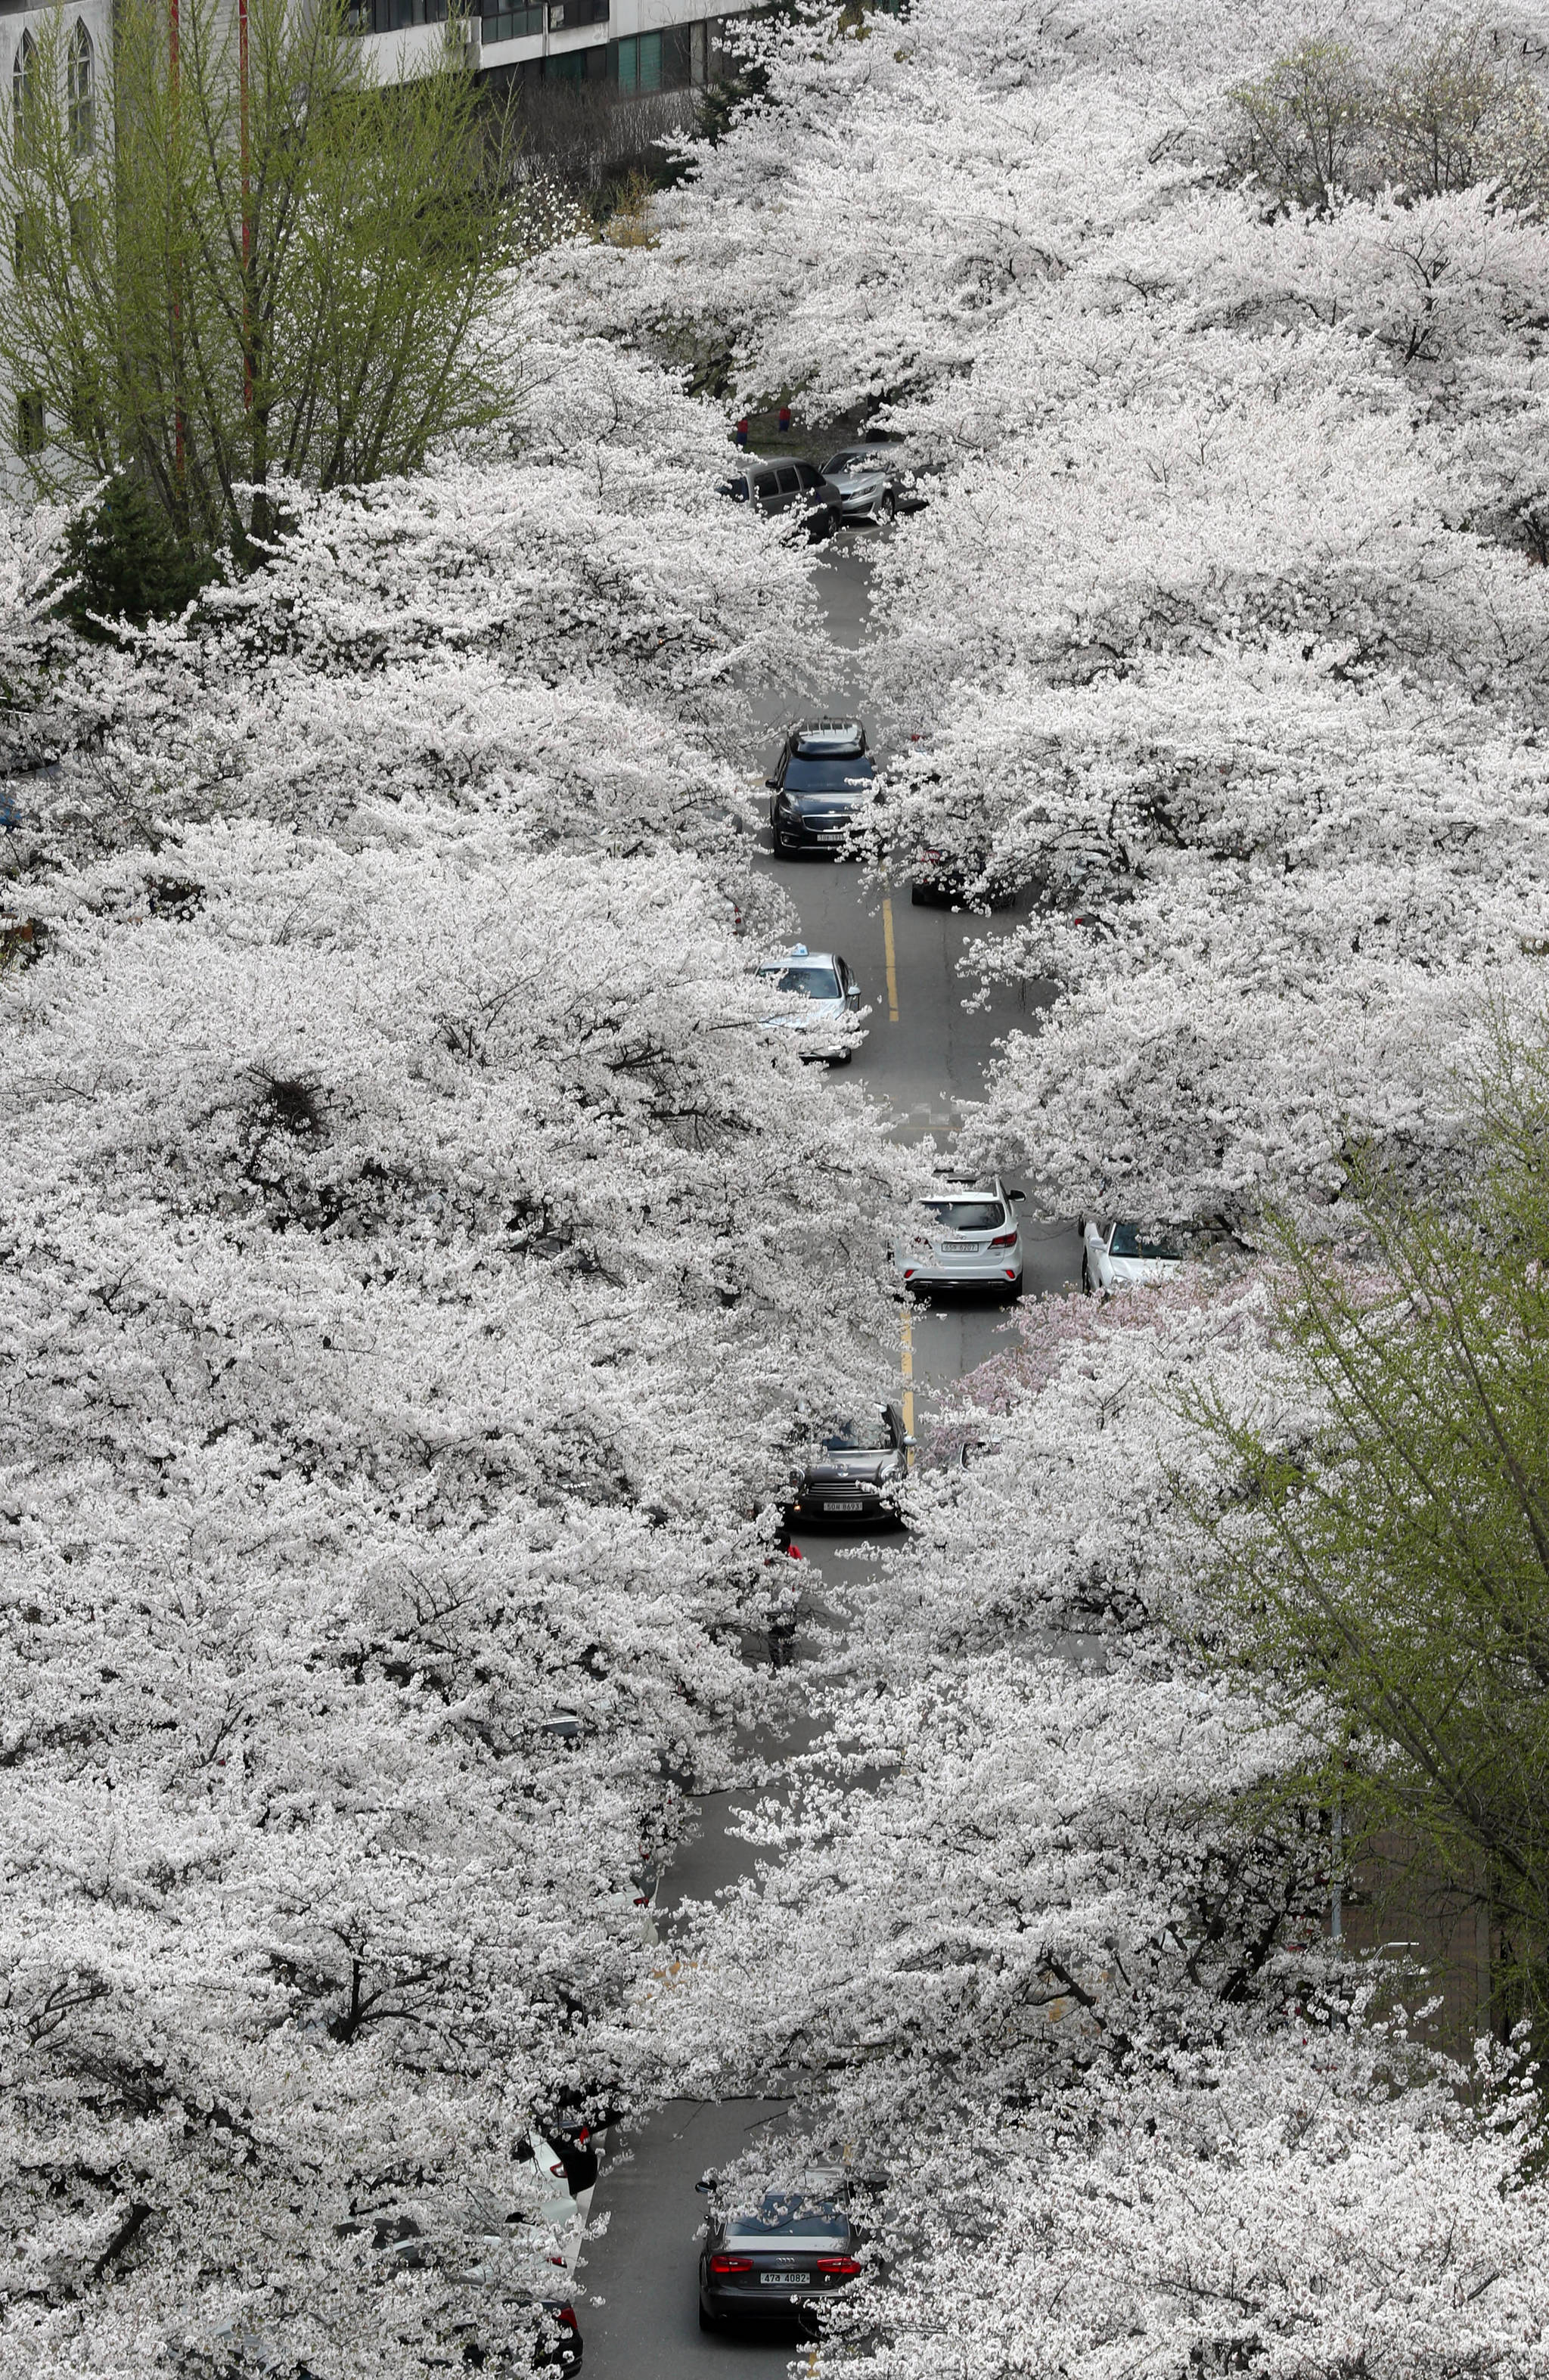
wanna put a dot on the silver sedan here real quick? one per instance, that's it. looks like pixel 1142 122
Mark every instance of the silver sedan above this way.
pixel 815 997
pixel 873 482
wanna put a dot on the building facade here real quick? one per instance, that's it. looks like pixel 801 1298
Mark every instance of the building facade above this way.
pixel 631 48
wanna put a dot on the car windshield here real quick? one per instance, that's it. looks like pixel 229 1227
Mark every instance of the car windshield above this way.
pixel 967 1214
pixel 809 982
pixel 855 458
pixel 833 774
pixel 1128 1241
pixel 869 1437
pixel 787 2218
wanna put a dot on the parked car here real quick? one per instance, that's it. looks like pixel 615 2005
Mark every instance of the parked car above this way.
pixel 873 482
pixel 856 1472
pixel 789 488
pixel 822 776
pixel 775 2258
pixel 1120 1255
pixel 817 999
pixel 485 2260
pixel 968 1238
pixel 945 877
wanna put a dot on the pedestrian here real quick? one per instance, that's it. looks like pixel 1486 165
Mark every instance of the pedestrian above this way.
pixel 743 433
pixel 785 419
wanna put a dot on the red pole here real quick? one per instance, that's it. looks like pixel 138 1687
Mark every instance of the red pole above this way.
pixel 177 303
pixel 247 223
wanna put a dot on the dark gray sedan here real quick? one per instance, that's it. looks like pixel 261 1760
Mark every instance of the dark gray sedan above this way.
pixel 774 2259
pixel 855 1475
pixel 789 488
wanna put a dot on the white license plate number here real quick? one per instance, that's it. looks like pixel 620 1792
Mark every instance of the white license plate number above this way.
pixel 844 1504
pixel 784 2280
pixel 961 1247
pixel 831 835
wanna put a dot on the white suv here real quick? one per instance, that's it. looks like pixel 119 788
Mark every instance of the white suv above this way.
pixel 967 1238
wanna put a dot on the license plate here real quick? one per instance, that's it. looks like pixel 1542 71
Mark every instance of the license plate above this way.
pixel 784 2280
pixel 849 1504
pixel 831 835
pixel 961 1247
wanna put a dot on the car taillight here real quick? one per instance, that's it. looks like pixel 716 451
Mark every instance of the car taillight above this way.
pixel 909 1272
pixel 1007 1239
pixel 845 2266
pixel 566 2318
pixel 724 2265
pixel 556 2259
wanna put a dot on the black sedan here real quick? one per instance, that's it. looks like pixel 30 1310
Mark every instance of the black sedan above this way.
pixel 856 1472
pixel 822 778
pixel 773 2260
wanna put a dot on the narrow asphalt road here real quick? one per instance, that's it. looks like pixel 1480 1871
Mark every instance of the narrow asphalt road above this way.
pixel 925 1054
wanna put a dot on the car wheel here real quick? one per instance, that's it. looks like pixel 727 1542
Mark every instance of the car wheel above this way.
pixel 919 895
pixel 889 505
pixel 1013 1290
pixel 843 1058
pixel 707 2321
pixel 1086 1277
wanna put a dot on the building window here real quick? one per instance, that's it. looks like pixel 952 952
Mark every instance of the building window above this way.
pixel 393 15
pixel 32 429
pixel 80 83
pixel 513 24
pixel 639 63
pixel 565 14
pixel 24 97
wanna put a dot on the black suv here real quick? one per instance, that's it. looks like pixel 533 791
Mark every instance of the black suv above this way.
pixel 789 487
pixel 821 777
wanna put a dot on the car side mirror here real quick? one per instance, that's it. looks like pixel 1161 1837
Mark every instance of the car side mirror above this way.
pixel 853 995
pixel 1017 1196
pixel 706 2184
pixel 772 784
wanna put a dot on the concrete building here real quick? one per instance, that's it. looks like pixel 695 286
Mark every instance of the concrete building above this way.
pixel 630 47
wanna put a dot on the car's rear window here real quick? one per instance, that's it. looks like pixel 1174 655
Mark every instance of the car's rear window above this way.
pixel 787 2219
pixel 810 982
pixel 830 776
pixel 967 1214
pixel 1127 1242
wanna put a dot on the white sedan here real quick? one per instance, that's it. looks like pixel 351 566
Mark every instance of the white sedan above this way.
pixel 1122 1256
pixel 817 998
pixel 969 1238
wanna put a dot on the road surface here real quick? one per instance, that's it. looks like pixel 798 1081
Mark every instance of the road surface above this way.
pixel 923 1056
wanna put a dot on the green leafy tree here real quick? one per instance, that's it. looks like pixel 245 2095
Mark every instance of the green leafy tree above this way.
pixel 1378 1546
pixel 238 261
pixel 1324 123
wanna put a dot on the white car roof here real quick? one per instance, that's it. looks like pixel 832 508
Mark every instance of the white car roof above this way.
pixel 801 956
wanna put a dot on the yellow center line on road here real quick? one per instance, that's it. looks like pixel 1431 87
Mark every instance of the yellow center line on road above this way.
pixel 906 1365
pixel 892 967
